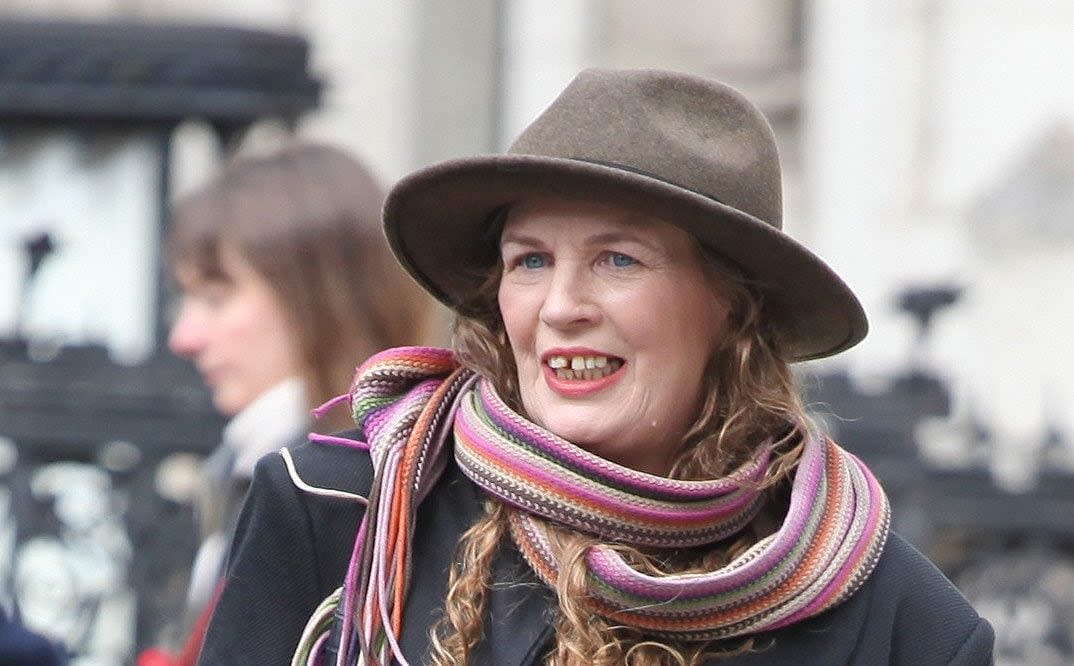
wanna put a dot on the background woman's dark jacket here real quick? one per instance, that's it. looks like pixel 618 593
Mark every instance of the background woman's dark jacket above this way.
pixel 292 548
pixel 21 647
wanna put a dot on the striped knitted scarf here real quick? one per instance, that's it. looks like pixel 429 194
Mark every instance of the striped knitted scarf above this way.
pixel 405 400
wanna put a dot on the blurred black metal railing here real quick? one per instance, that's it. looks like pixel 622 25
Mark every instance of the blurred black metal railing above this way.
pixel 1010 549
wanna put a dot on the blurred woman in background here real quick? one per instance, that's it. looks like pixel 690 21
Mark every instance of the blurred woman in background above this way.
pixel 286 281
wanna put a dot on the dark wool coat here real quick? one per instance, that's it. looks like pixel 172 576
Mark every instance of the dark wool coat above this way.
pixel 292 548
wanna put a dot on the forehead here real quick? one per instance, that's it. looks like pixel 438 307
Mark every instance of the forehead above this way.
pixel 543 219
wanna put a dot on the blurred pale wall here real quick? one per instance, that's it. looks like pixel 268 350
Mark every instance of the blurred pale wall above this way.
pixel 923 140
pixel 939 146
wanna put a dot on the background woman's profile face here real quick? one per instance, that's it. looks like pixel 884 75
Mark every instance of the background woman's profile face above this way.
pixel 235 330
pixel 612 318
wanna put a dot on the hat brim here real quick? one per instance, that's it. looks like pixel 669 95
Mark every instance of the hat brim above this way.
pixel 436 221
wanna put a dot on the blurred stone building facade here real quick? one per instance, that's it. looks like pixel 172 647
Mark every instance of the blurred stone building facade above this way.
pixel 898 124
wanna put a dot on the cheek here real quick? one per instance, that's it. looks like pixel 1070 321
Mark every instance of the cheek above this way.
pixel 519 319
pixel 245 331
pixel 688 327
pixel 279 335
pixel 258 329
pixel 708 306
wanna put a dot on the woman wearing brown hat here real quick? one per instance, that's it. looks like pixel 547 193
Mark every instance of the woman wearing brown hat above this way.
pixel 613 465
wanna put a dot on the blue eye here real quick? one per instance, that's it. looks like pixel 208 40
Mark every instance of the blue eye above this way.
pixel 533 260
pixel 621 260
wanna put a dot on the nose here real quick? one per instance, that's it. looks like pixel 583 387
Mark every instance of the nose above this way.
pixel 187 337
pixel 568 302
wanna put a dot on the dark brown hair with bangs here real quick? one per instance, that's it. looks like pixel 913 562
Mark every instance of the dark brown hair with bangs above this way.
pixel 308 220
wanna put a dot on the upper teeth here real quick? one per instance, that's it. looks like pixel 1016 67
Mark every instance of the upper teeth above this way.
pixel 577 362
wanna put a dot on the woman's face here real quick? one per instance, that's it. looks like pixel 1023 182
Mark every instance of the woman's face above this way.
pixel 235 331
pixel 612 319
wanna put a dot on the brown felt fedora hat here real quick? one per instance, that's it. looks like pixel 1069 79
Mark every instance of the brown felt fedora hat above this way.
pixel 693 150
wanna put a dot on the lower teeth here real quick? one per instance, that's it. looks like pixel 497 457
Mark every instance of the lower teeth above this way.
pixel 598 373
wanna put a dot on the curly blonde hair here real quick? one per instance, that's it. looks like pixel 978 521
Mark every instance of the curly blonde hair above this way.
pixel 750 396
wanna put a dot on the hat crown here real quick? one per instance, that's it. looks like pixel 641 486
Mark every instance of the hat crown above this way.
pixel 691 132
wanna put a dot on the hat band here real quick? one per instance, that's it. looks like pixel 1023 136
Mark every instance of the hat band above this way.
pixel 647 174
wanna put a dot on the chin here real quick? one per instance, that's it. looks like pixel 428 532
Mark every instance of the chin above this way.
pixel 573 422
pixel 225 406
pixel 580 435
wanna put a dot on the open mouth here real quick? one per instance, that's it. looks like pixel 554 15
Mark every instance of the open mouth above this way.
pixel 583 367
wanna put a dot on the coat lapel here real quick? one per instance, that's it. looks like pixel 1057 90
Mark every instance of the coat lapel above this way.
pixel 520 607
pixel 520 616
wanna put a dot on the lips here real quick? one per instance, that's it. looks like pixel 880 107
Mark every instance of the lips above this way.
pixel 579 372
